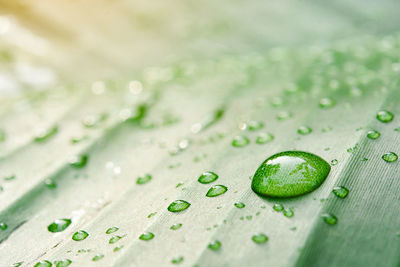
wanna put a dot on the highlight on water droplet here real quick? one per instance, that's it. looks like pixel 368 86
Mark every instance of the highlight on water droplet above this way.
pixel 215 245
pixel 62 263
pixel 329 218
pixel 146 236
pixel 43 263
pixel 373 134
pixel 178 206
pixel 264 138
pixel 216 190
pixel 80 235
pixel 240 141
pixel 207 177
pixel 326 103
pixel 260 238
pixel 390 157
pixel 304 130
pixel 112 230
pixel 142 180
pixel 239 205
pixel 340 191
pixel 384 116
pixel 59 225
pixel 290 174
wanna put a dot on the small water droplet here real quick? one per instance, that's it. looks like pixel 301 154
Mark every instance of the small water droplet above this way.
pixel 304 130
pixel 178 206
pixel 50 183
pixel 334 162
pixel 215 246
pixel 255 125
pixel 79 161
pixel 207 177
pixel 239 205
pixel 146 236
pixel 177 260
pixel 373 134
pixel 3 226
pixel 142 180
pixel 80 235
pixel 59 225
pixel 118 248
pixel 260 238
pixel 384 116
pixel 112 230
pixel 44 135
pixel 329 218
pixel 10 177
pixel 283 115
pixel 43 264
pixel 216 190
pixel 240 141
pixel 389 157
pixel 98 257
pixel 264 138
pixel 63 263
pixel 289 174
pixel 340 191
pixel 326 103
pixel 278 207
pixel 115 239
pixel 288 213
pixel 176 226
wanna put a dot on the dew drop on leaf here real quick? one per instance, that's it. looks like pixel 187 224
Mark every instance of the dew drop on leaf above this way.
pixel 278 207
pixel 43 264
pixel 289 174
pixel 340 191
pixel 326 103
pixel 329 218
pixel 384 116
pixel 216 190
pixel 112 230
pixel 372 134
pixel 3 226
pixel 145 179
pixel 177 260
pixel 63 263
pixel 390 157
pixel 304 130
pixel 215 246
pixel 264 138
pixel 59 225
pixel 239 205
pixel 176 226
pixel 80 235
pixel 146 236
pixel 260 238
pixel 98 257
pixel 79 161
pixel 207 177
pixel 240 141
pixel 178 206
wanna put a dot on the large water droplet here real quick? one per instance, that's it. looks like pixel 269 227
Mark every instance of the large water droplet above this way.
pixel 216 190
pixel 178 205
pixel 384 116
pixel 146 236
pixel 207 177
pixel 59 225
pixel 390 157
pixel 289 174
pixel 260 238
pixel 80 235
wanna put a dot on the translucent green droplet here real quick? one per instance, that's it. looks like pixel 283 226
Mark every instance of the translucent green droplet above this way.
pixel 304 130
pixel 278 207
pixel 3 226
pixel 334 162
pixel 144 179
pixel 98 257
pixel 59 225
pixel 80 235
pixel 373 134
pixel 288 213
pixel 260 238
pixel 207 177
pixel 178 205
pixel 112 230
pixel 289 174
pixel 390 157
pixel 216 245
pixel 10 177
pixel 17 264
pixel 176 226
pixel 216 190
pixel 239 205
pixel 50 183
pixel 115 239
pixel 384 116
pixel 283 115
pixel 240 141
pixel 326 103
pixel 329 218
pixel 63 263
pixel 118 248
pixel 340 191
pixel 264 138
pixel 45 135
pixel 255 125
pixel 79 161
pixel 146 236
pixel 43 264
pixel 177 260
